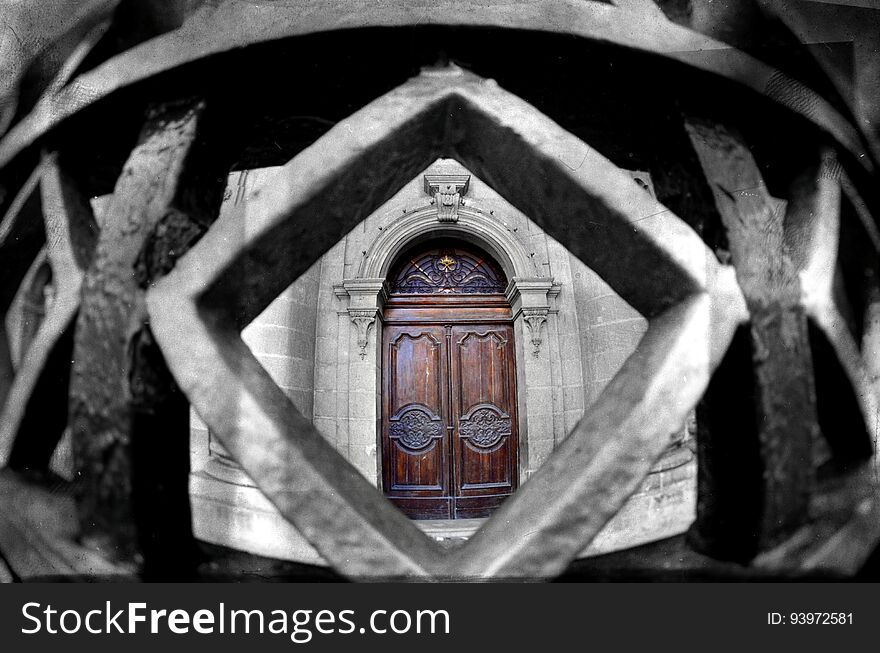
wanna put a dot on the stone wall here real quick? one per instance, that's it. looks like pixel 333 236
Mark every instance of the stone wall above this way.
pixel 282 337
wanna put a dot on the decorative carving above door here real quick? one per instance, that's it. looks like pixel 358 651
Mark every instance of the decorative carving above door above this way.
pixel 447 270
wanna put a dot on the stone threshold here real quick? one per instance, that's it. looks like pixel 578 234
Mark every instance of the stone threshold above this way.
pixel 449 531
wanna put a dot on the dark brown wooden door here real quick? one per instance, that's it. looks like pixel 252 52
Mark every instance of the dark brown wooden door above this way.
pixel 449 417
pixel 482 406
pixel 415 425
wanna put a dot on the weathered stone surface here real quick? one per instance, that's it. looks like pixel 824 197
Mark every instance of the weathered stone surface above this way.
pixel 837 293
pixel 38 531
pixel 236 24
pixel 129 419
pixel 842 533
pixel 35 414
pixel 22 234
pixel 780 395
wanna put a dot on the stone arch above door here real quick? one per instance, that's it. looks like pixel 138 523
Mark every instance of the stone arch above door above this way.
pixel 531 294
pixel 473 226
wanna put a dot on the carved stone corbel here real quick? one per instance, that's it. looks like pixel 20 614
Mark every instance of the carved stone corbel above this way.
pixel 447 191
pixel 362 319
pixel 534 319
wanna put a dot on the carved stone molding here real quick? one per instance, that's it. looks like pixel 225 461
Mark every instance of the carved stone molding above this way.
pixel 534 299
pixel 474 226
pixel 365 299
pixel 363 293
pixel 553 295
pixel 447 191
pixel 362 319
pixel 534 319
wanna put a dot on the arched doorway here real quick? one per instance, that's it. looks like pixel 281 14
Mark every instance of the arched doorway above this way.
pixel 449 427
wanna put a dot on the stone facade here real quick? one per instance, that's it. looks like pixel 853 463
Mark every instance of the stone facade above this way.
pixel 318 341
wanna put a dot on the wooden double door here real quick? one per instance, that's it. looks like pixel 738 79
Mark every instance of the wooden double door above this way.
pixel 449 428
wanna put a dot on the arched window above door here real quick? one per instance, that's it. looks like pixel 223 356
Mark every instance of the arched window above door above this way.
pixel 446 267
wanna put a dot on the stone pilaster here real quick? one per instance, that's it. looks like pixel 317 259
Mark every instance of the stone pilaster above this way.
pixel 530 306
pixel 366 298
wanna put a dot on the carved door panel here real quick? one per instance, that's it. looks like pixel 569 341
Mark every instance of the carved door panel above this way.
pixel 449 422
pixel 415 437
pixel 483 402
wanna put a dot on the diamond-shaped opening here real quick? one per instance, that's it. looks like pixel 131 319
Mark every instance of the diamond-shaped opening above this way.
pixel 327 190
pixel 306 342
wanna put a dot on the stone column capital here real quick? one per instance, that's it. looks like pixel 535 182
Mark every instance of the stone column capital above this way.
pixel 363 293
pixel 535 318
pixel 362 318
pixel 533 299
pixel 530 292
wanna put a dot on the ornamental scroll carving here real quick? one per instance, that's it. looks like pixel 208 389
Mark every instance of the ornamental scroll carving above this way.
pixel 535 318
pixel 447 191
pixel 485 426
pixel 415 428
pixel 362 319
